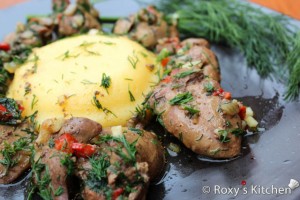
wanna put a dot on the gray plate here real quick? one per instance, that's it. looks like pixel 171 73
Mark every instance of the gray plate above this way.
pixel 269 158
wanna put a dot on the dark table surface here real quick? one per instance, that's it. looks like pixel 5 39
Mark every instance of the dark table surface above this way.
pixel 270 157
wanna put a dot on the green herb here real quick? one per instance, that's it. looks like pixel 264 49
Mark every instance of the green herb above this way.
pixel 140 111
pixel 128 79
pixel 164 53
pixel 186 73
pixel 97 103
pixel 93 52
pixel 34 101
pixel 159 118
pixel 105 82
pixel 27 89
pixel 4 78
pixel 154 141
pixel 227 123
pixel 293 62
pixel 87 82
pixel 97 177
pixel 136 130
pixel 10 150
pixel 42 179
pixel 67 55
pixel 176 86
pixel 223 136
pixel 130 148
pixel 86 44
pixel 238 132
pixel 215 151
pixel 143 54
pixel 68 163
pixel 181 98
pixel 107 43
pixel 191 110
pixel 246 28
pixel 59 191
pixel 131 96
pixel 18 60
pixel 51 143
pixel 133 60
pixel 209 88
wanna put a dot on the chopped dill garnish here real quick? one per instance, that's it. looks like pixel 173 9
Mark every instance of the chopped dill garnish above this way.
pixel 34 101
pixel 87 82
pixel 131 95
pixel 185 73
pixel 209 88
pixel 133 60
pixel 107 43
pixel 59 191
pixel 143 54
pixel 223 136
pixel 67 55
pixel 181 98
pixel 105 82
pixel 97 103
pixel 10 150
pixel 87 44
pixel 191 110
pixel 27 88
pixel 164 53
pixel 68 163
pixel 137 131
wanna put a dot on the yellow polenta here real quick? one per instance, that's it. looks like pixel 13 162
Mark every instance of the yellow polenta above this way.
pixel 63 79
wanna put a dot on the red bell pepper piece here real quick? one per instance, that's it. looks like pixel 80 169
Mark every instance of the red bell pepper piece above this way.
pixel 64 143
pixel 116 193
pixel 2 108
pixel 165 61
pixel 167 79
pixel 227 95
pixel 4 46
pixel 83 150
pixel 242 112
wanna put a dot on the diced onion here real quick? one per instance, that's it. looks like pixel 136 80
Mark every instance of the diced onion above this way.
pixel 49 127
pixel 174 147
pixel 230 108
pixel 116 131
pixel 251 122
pixel 11 67
pixel 249 112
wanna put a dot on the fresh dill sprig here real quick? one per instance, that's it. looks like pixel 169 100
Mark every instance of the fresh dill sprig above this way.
pixel 105 82
pixel 294 79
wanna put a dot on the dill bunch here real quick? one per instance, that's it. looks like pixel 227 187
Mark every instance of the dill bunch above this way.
pixel 293 61
pixel 267 40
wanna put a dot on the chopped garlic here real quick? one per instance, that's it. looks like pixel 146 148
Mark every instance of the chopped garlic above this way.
pixel 116 131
